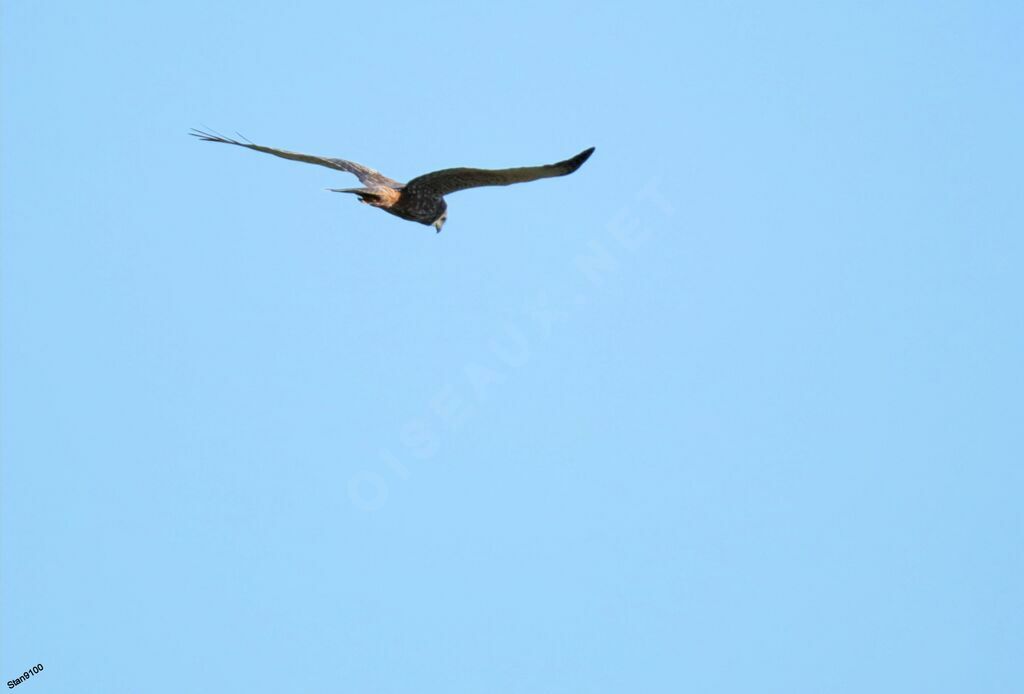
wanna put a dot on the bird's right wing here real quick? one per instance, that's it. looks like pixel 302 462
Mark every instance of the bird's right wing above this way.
pixel 450 180
pixel 365 174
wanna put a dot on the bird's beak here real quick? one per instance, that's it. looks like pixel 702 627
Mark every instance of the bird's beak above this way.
pixel 438 225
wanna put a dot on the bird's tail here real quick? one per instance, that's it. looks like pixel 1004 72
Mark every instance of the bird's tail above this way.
pixel 367 195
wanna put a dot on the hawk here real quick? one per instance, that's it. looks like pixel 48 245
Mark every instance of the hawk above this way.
pixel 421 199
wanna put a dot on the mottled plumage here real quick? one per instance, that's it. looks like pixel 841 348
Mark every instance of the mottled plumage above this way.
pixel 421 199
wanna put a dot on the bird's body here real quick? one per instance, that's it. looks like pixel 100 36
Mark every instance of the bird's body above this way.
pixel 421 199
pixel 401 202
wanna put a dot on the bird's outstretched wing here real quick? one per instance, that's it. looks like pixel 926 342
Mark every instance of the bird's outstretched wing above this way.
pixel 365 174
pixel 450 180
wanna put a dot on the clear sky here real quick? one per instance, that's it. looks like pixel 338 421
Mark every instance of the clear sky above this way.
pixel 737 407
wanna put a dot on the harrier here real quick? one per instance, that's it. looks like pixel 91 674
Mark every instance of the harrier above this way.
pixel 421 199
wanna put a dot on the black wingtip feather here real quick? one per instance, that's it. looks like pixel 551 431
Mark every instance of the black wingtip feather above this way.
pixel 577 161
pixel 211 135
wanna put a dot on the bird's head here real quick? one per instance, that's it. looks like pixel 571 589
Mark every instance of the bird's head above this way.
pixel 439 222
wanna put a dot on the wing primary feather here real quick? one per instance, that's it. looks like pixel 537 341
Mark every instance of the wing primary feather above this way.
pixel 364 173
pixel 452 180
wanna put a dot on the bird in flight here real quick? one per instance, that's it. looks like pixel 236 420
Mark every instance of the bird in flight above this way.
pixel 421 199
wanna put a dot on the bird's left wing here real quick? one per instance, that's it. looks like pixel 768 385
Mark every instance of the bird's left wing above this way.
pixel 365 174
pixel 450 180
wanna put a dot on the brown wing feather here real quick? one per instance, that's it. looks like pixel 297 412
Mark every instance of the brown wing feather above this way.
pixel 365 174
pixel 450 180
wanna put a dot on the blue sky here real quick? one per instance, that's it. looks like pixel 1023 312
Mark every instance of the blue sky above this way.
pixel 734 408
